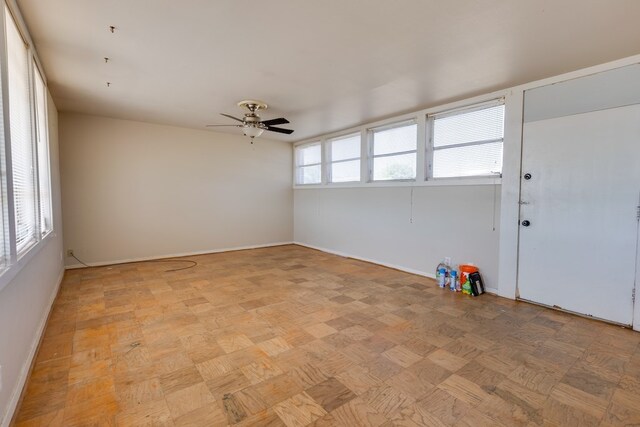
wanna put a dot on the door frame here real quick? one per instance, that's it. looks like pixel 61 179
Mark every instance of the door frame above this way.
pixel 635 317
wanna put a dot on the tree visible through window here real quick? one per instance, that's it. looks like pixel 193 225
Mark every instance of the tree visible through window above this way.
pixel 394 152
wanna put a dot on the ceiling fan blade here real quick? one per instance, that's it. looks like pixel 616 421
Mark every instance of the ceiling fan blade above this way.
pixel 212 126
pixel 280 130
pixel 280 121
pixel 231 117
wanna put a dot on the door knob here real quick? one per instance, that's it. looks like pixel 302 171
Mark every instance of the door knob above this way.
pixel 527 176
pixel 526 223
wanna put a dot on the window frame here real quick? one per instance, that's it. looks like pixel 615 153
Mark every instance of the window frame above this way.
pixel 329 157
pixel 298 167
pixel 422 158
pixel 14 146
pixel 42 231
pixel 431 149
pixel 371 147
pixel 12 261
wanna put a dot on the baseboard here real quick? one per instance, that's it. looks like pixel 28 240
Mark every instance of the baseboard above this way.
pixel 178 255
pixel 25 373
pixel 372 261
pixel 382 263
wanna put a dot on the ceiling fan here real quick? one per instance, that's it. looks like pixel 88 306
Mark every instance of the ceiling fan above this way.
pixel 251 125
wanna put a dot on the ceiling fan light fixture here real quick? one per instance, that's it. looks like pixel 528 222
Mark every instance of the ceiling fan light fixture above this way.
pixel 252 131
pixel 251 124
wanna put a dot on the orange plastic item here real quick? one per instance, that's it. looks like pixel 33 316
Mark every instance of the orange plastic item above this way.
pixel 465 271
pixel 466 268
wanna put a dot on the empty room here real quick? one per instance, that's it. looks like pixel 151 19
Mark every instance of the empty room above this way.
pixel 331 213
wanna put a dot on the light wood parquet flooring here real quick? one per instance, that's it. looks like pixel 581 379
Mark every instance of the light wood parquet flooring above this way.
pixel 292 336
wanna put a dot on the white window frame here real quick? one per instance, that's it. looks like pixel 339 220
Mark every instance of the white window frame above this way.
pixel 298 167
pixel 329 157
pixel 370 142
pixel 432 117
pixel 47 210
pixel 13 262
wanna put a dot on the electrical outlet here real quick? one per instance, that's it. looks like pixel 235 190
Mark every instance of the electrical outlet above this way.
pixel 69 252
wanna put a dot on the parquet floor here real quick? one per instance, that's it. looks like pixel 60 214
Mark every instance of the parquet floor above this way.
pixel 292 336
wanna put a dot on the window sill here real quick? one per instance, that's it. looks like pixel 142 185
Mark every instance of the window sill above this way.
pixel 12 270
pixel 445 182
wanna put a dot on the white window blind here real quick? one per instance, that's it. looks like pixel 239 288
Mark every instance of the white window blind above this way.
pixel 22 149
pixel 4 238
pixel 42 144
pixel 309 164
pixel 468 142
pixel 394 152
pixel 344 153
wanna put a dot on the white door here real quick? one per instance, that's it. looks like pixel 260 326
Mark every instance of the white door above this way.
pixel 578 250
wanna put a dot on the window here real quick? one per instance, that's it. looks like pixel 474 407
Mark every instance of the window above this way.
pixel 4 241
pixel 309 163
pixel 42 145
pixel 393 152
pixel 344 155
pixel 22 147
pixel 25 190
pixel 468 142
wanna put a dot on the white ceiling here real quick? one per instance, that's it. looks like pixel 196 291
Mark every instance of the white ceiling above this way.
pixel 325 65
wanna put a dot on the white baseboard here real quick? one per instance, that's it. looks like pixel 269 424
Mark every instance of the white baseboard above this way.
pixel 178 255
pixel 26 367
pixel 382 263
pixel 373 261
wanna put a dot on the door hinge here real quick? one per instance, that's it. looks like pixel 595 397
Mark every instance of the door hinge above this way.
pixel 638 212
pixel 633 295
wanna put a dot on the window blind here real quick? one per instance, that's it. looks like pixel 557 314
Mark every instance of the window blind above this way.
pixel 22 153
pixel 309 164
pixel 345 158
pixel 395 152
pixel 42 144
pixel 4 226
pixel 468 142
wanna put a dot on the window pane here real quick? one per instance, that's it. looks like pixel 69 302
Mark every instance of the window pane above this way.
pixel 479 125
pixel 345 148
pixel 470 160
pixel 345 171
pixel 42 133
pixel 309 154
pixel 309 174
pixel 403 138
pixel 22 153
pixel 4 249
pixel 402 166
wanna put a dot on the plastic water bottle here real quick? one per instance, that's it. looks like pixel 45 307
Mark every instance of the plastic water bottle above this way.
pixel 442 276
pixel 454 280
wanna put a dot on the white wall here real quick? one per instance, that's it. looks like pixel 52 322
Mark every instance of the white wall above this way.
pixel 135 190
pixel 379 224
pixel 345 220
pixel 26 300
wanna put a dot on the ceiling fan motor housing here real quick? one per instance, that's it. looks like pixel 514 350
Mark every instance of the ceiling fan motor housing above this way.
pixel 251 118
